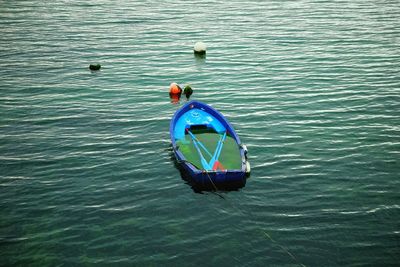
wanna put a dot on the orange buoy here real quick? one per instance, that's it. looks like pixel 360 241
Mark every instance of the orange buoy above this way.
pixel 175 90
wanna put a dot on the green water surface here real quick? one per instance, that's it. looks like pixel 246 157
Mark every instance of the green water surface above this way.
pixel 87 173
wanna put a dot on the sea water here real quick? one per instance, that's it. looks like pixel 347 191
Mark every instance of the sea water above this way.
pixel 87 176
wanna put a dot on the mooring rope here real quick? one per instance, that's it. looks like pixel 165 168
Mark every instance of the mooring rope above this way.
pixel 250 215
pixel 215 187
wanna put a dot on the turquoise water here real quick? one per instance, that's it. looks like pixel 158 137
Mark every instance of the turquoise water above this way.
pixel 86 170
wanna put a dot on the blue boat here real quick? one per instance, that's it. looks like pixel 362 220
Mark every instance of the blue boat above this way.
pixel 207 149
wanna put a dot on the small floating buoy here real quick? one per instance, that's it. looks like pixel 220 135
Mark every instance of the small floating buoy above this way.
pixel 175 90
pixel 188 91
pixel 94 66
pixel 200 48
pixel 175 93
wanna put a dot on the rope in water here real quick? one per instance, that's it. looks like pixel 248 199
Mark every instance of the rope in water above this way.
pixel 215 187
pixel 250 215
pixel 283 248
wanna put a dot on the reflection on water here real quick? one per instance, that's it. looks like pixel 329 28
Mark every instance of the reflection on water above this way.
pixel 200 59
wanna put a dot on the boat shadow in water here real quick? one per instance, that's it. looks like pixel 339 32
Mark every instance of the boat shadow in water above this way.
pixel 200 187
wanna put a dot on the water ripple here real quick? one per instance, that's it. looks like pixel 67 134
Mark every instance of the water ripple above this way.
pixel 86 172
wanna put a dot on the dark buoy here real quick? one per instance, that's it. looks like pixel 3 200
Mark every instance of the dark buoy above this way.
pixel 200 49
pixel 188 91
pixel 94 66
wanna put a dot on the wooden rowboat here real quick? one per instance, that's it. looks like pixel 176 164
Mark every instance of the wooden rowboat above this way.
pixel 207 149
